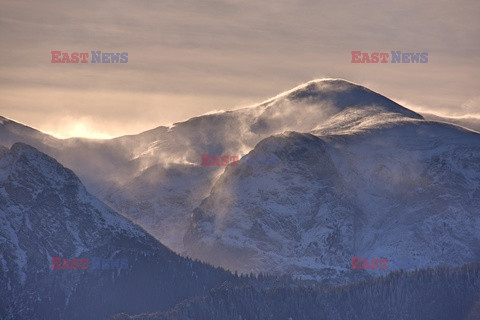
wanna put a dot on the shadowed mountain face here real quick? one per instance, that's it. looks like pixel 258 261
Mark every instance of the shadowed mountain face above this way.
pixel 45 212
pixel 358 175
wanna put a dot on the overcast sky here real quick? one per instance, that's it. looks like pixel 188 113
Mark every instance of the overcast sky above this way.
pixel 187 58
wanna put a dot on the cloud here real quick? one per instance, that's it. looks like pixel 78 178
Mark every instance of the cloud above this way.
pixel 191 57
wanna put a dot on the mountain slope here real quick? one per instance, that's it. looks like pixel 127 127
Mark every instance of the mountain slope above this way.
pixel 472 123
pixel 406 191
pixel 46 212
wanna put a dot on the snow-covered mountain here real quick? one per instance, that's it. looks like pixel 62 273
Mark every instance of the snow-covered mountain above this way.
pixel 358 175
pixel 46 212
pixel 155 177
pixel 408 192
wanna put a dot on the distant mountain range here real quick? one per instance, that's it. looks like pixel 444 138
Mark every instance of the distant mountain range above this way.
pixel 358 176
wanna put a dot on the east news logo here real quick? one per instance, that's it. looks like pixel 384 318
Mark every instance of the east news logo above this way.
pixel 359 263
pixel 96 263
pixel 82 57
pixel 382 57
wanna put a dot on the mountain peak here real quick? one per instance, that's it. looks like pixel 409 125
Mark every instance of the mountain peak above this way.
pixel 342 95
pixel 24 160
pixel 327 83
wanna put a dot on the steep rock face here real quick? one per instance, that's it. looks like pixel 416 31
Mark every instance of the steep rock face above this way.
pixel 406 191
pixel 46 212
